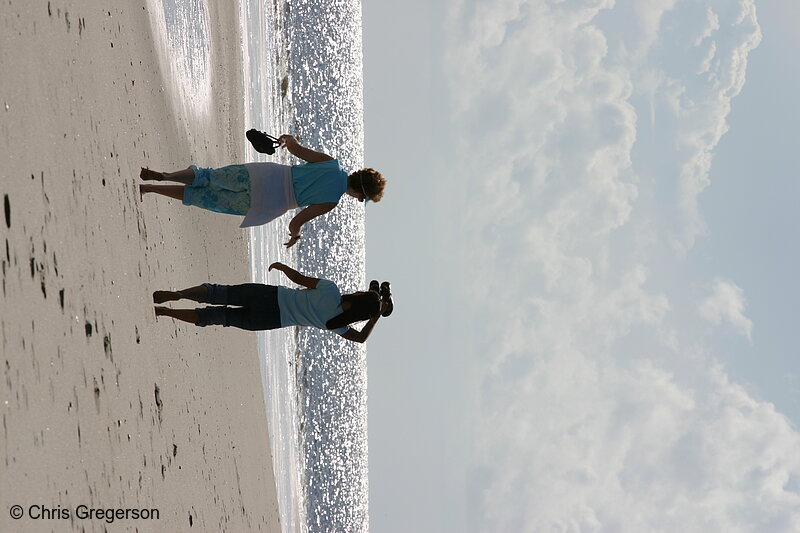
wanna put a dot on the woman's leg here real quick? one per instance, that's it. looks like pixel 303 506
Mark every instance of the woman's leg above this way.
pixel 197 294
pixel 185 176
pixel 244 294
pixel 260 309
pixel 185 315
pixel 173 191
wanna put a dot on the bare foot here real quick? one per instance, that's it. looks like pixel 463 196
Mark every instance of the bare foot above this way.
pixel 159 297
pixel 150 175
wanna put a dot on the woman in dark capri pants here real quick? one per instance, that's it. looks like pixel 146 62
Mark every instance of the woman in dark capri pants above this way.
pixel 260 307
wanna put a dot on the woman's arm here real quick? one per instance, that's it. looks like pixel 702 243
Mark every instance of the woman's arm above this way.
pixel 361 336
pixel 304 216
pixel 294 275
pixel 298 150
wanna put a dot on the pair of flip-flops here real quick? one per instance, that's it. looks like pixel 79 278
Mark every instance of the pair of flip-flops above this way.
pixel 262 142
pixel 385 292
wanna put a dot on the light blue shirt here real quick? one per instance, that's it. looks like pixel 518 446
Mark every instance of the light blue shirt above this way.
pixel 318 183
pixel 310 307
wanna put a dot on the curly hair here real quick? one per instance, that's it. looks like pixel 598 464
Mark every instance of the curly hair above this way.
pixel 369 181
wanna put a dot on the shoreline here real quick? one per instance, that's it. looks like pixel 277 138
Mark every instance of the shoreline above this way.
pixel 103 405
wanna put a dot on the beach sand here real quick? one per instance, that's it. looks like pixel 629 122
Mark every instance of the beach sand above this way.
pixel 102 405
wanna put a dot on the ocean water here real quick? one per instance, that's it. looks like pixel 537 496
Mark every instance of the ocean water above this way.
pixel 302 66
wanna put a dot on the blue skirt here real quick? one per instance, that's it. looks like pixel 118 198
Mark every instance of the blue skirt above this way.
pixel 224 190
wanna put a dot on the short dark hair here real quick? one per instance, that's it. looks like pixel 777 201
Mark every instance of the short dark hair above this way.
pixel 362 306
pixel 369 181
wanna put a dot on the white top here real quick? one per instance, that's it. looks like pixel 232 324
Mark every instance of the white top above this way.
pixel 310 307
pixel 271 193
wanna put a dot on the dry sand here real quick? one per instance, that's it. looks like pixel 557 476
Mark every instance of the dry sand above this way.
pixel 102 405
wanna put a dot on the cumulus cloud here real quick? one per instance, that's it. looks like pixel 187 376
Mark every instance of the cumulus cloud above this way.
pixel 726 304
pixel 598 447
pixel 599 408
pixel 701 98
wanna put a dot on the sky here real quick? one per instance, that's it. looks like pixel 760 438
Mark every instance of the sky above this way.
pixel 590 229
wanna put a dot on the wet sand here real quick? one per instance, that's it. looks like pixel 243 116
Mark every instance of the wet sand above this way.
pixel 104 406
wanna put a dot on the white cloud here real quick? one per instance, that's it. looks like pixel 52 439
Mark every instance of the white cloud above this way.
pixel 710 27
pixel 600 409
pixel 706 64
pixel 726 304
pixel 706 102
pixel 634 449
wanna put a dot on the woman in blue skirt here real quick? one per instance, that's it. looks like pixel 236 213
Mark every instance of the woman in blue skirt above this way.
pixel 261 192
